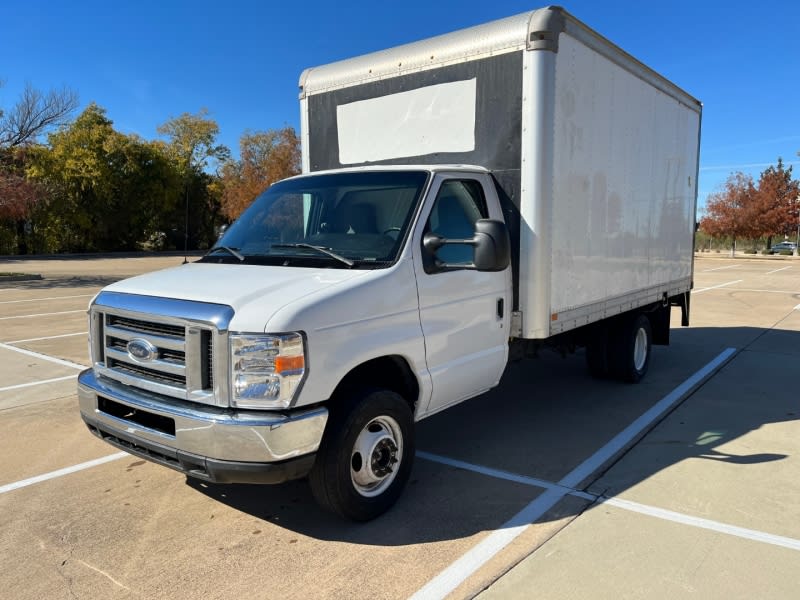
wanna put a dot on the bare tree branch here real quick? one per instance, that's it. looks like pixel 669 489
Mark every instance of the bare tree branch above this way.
pixel 35 113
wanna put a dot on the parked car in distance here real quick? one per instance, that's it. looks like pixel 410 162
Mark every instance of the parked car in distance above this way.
pixel 791 246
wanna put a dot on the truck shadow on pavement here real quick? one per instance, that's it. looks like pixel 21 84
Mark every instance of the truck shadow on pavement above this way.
pixel 545 419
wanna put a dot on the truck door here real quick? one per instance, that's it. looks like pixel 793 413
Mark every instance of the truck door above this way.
pixel 464 313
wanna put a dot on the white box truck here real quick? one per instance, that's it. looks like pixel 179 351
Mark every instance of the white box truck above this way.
pixel 465 199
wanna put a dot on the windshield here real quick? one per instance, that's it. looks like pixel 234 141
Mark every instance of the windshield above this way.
pixel 342 220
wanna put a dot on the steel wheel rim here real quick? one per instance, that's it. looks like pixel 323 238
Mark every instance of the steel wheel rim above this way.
pixel 376 456
pixel 640 349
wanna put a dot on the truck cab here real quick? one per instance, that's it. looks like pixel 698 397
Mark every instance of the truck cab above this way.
pixel 353 301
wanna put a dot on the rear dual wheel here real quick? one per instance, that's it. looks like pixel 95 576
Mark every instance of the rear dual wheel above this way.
pixel 621 351
pixel 630 350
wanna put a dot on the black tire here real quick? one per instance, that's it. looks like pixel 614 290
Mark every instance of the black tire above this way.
pixel 380 422
pixel 630 348
pixel 597 354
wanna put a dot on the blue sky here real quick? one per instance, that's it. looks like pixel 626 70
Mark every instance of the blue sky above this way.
pixel 149 60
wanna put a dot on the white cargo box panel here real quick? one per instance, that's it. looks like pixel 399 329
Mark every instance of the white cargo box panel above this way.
pixel 595 155
pixel 625 160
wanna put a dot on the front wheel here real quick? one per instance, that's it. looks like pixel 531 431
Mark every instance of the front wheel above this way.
pixel 365 457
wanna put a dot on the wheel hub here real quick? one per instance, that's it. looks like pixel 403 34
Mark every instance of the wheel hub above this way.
pixel 640 349
pixel 376 451
pixel 384 457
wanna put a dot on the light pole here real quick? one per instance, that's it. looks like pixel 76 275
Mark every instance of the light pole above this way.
pixel 186 228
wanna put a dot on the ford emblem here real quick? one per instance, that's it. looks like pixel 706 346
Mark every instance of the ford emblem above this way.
pixel 141 350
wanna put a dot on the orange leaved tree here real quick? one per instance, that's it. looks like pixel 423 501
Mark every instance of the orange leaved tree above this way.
pixel 265 157
pixel 732 211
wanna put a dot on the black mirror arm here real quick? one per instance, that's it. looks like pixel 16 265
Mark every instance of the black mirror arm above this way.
pixel 432 242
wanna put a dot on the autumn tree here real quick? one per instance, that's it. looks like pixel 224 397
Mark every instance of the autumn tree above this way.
pixel 192 145
pixel 19 196
pixel 34 114
pixel 776 202
pixel 265 157
pixel 732 211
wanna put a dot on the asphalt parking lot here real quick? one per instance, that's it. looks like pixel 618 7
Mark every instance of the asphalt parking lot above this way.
pixel 553 485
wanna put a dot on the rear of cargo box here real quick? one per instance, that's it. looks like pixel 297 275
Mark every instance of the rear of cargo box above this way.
pixel 594 154
pixel 609 185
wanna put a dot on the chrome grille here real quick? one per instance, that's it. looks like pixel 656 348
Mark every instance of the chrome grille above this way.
pixel 181 361
pixel 145 326
pixel 151 374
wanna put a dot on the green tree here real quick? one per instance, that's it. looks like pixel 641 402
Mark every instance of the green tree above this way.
pixel 192 145
pixel 191 140
pixel 109 189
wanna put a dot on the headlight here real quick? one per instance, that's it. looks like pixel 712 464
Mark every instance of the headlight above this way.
pixel 266 370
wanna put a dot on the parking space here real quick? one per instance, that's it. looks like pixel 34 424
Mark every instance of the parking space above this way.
pixel 702 506
pixel 43 436
pixel 610 553
pixel 735 443
pixel 44 324
pixel 524 478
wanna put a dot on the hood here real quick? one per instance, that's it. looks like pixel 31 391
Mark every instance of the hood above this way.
pixel 236 286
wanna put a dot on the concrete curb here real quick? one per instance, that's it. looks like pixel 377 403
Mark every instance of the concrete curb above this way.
pixel 21 277
pixel 742 256
pixel 99 255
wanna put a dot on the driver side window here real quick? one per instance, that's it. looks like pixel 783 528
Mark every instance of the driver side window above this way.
pixel 459 203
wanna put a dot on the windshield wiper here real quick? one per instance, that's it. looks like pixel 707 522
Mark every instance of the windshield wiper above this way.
pixel 234 251
pixel 322 249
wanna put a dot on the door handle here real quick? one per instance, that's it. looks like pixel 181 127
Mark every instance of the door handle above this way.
pixel 500 308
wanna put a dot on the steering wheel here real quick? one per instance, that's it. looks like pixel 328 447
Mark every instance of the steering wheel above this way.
pixel 391 229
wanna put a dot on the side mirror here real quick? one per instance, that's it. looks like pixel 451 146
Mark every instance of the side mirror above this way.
pixel 491 247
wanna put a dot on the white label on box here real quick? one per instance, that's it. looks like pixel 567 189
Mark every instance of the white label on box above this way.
pixel 436 118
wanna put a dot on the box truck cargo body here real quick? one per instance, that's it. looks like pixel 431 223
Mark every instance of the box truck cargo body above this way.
pixel 464 200
pixel 595 154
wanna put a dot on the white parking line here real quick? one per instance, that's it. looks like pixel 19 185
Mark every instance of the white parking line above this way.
pixel 454 575
pixel 61 472
pixel 778 270
pixel 714 287
pixel 676 517
pixel 43 299
pixel 795 293
pixel 653 511
pixel 496 473
pixel 33 383
pixel 39 355
pixel 721 268
pixel 49 337
pixel 63 312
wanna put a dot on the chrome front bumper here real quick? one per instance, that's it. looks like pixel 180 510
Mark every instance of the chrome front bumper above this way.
pixel 203 441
